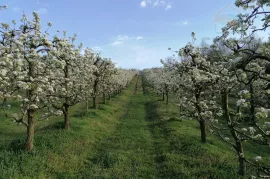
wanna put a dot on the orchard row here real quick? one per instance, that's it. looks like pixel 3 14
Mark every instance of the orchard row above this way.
pixel 46 75
pixel 226 85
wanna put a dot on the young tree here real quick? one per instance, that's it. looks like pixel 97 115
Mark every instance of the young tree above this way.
pixel 105 68
pixel 250 69
pixel 28 57
pixel 87 75
pixel 70 77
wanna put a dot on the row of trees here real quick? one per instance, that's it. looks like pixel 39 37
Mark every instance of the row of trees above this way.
pixel 225 85
pixel 47 74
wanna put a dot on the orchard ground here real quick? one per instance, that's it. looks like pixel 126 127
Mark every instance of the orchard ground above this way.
pixel 135 135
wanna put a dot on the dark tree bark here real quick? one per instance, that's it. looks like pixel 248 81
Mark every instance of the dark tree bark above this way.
pixel 180 109
pixel 167 98
pixel 95 98
pixel 87 105
pixel 66 117
pixel 238 144
pixel 200 119
pixel 241 159
pixel 252 104
pixel 30 115
pixel 95 102
pixel 104 98
pixel 30 130
pixel 167 94
pixel 203 131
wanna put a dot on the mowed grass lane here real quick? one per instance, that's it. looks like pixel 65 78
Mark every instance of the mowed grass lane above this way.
pixel 135 135
pixel 128 152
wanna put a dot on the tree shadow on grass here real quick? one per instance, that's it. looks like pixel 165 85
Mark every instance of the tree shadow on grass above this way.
pixel 180 154
pixel 156 127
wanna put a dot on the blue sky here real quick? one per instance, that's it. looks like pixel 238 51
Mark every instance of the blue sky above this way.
pixel 134 33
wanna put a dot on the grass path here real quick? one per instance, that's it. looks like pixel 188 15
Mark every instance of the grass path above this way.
pixel 151 142
pixel 128 152
pixel 134 136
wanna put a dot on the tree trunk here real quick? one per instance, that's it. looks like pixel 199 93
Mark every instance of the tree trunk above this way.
pixel 95 98
pixel 30 115
pixel 241 159
pixel 167 94
pixel 30 130
pixel 104 98
pixel 163 96
pixel 66 117
pixel 95 102
pixel 238 146
pixel 167 98
pixel 200 119
pixel 87 105
pixel 180 109
pixel 203 131
pixel 252 104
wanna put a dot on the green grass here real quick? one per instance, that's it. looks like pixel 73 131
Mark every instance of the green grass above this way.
pixel 135 135
pixel 59 153
pixel 179 152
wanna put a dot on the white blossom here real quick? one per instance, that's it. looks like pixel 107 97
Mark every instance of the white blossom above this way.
pixel 258 158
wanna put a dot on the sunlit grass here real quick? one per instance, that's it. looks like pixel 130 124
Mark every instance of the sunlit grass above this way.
pixel 133 136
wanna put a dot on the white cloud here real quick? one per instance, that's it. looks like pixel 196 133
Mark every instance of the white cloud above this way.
pixel 162 3
pixel 139 38
pixel 156 3
pixel 181 23
pixel 185 23
pixel 42 11
pixel 143 4
pixel 122 38
pixel 116 43
pixel 168 7
pixel 136 56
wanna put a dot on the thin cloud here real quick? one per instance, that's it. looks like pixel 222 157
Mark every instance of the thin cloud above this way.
pixel 43 3
pixel 42 11
pixel 162 3
pixel 181 23
pixel 143 4
pixel 139 38
pixel 116 43
pixel 168 7
pixel 122 38
pixel 156 3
